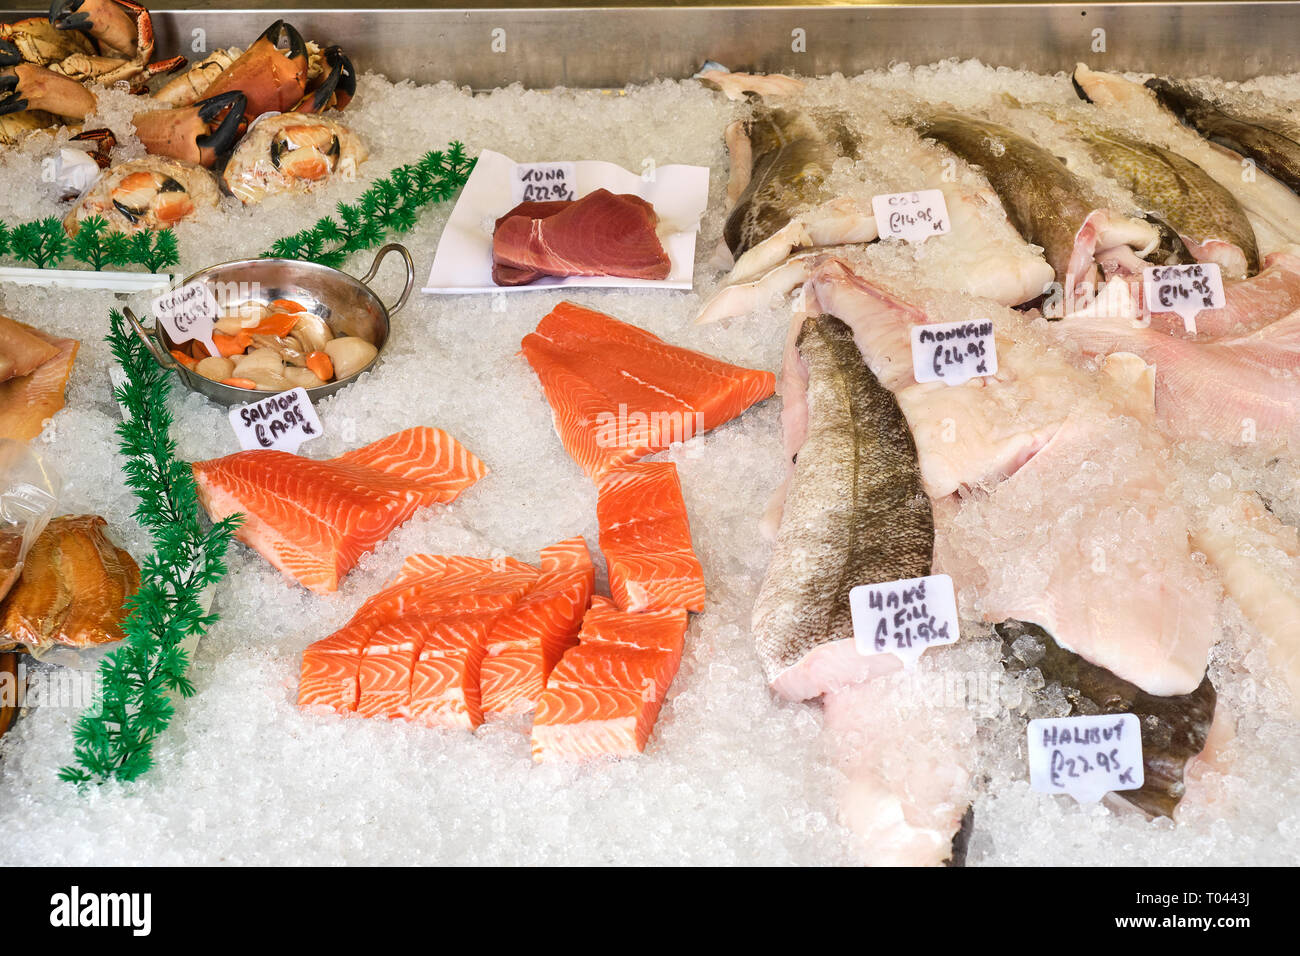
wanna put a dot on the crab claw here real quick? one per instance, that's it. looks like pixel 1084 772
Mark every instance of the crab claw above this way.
pixel 108 22
pixel 102 141
pixel 31 87
pixel 336 89
pixel 272 79
pixel 187 133
pixel 9 54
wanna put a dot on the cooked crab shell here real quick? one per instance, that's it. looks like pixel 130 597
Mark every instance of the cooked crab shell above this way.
pixel 292 152
pixel 150 193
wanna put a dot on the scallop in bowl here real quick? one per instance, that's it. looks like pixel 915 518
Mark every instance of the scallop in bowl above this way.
pixel 282 324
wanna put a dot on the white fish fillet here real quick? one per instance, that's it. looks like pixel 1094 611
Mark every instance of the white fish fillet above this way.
pixel 1238 390
pixel 1087 542
pixel 1258 560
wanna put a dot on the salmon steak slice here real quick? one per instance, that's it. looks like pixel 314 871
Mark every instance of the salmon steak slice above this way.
pixel 646 537
pixel 527 643
pixel 618 393
pixel 605 694
pixel 315 519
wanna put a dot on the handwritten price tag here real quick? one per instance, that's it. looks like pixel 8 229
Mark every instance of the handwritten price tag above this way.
pixel 914 217
pixel 543 182
pixel 188 313
pixel 1185 290
pixel 283 421
pixel 1086 757
pixel 904 618
pixel 953 352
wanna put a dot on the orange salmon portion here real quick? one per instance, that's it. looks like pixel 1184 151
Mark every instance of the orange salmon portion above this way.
pixel 527 642
pixel 604 696
pixel 618 393
pixel 646 538
pixel 329 671
pixel 315 519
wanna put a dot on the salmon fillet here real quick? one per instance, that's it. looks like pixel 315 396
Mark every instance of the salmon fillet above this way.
pixel 526 643
pixel 646 537
pixel 618 393
pixel 605 694
pixel 315 519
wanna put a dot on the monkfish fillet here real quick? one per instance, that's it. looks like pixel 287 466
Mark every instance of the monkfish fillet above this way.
pixel 72 589
pixel 315 519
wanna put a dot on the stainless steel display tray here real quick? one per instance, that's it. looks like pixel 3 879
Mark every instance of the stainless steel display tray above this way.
pixel 487 46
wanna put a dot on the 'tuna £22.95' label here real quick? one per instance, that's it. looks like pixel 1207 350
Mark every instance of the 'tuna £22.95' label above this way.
pixel 543 182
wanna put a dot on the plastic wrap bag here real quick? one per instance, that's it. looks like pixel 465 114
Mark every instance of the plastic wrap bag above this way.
pixel 29 493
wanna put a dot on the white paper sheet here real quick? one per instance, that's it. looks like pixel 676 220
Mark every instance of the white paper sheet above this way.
pixel 463 262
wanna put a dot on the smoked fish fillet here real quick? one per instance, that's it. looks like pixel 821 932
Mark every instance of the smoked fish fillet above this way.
pixel 315 519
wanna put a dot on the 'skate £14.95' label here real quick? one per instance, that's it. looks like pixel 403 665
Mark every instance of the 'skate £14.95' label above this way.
pixel 1185 290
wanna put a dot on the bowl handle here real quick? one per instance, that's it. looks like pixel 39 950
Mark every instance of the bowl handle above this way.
pixel 159 354
pixel 410 273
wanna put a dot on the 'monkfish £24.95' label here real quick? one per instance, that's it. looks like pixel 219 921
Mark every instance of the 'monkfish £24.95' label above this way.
pixel 1087 756
pixel 914 216
pixel 283 421
pixel 904 618
pixel 953 352
pixel 543 182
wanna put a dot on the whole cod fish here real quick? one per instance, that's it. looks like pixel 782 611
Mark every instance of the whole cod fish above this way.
pixel 856 513
pixel 1272 143
pixel 1047 203
pixel 1208 222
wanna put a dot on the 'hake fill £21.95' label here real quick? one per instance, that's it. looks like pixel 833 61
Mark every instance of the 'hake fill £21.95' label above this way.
pixel 1086 757
pixel 188 312
pixel 953 352
pixel 543 182
pixel 914 217
pixel 282 421
pixel 904 618
pixel 1185 290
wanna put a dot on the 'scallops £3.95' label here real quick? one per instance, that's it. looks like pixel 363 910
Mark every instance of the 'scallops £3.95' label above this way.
pixel 188 312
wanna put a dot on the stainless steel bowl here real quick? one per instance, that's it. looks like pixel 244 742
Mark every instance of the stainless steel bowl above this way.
pixel 349 307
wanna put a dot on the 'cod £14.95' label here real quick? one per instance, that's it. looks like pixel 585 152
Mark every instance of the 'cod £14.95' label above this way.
pixel 1086 756
pixel 914 216
pixel 904 618
pixel 283 421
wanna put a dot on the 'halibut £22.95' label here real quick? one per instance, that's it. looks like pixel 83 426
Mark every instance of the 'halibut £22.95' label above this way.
pixel 1086 756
